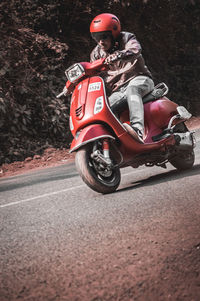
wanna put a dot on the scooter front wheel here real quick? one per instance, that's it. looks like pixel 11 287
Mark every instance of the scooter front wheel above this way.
pixel 100 180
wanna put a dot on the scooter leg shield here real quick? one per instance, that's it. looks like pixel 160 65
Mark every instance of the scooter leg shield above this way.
pixel 89 134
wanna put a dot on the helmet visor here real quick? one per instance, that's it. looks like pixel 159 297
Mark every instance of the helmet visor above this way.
pixel 101 35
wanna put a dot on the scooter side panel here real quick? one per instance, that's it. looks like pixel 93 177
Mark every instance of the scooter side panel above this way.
pixel 157 115
pixel 161 111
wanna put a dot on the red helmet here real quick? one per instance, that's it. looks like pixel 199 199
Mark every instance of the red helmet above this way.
pixel 105 23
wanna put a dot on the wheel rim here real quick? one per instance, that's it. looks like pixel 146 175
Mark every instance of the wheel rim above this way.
pixel 104 175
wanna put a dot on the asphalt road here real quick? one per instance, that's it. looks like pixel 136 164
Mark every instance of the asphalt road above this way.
pixel 59 240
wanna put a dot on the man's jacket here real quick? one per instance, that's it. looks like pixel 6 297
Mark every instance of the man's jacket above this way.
pixel 130 65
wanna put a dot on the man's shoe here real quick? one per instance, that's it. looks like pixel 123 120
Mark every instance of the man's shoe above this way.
pixel 137 135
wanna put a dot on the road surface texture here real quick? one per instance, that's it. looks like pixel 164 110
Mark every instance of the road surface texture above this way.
pixel 61 241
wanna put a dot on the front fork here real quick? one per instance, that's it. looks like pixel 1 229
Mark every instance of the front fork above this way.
pixel 104 156
pixel 106 148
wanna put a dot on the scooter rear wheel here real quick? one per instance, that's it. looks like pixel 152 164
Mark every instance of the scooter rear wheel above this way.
pixel 100 181
pixel 183 161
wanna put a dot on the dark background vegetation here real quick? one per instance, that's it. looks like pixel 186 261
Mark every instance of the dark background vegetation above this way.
pixel 39 39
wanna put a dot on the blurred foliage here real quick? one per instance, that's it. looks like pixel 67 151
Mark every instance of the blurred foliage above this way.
pixel 40 39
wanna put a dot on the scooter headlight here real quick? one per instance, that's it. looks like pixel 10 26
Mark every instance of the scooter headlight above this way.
pixel 74 72
pixel 99 103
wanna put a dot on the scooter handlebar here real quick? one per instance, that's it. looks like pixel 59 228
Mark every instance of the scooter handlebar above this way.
pixel 63 93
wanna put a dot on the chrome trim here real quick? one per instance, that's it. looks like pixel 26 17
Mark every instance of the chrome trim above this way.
pixel 169 127
pixel 90 140
pixel 183 114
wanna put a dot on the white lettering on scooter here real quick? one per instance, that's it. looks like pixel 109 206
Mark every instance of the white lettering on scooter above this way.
pixel 94 87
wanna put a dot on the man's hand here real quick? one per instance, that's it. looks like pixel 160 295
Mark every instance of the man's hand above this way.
pixel 113 57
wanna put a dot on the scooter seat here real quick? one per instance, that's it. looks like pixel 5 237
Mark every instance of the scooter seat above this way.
pixel 159 91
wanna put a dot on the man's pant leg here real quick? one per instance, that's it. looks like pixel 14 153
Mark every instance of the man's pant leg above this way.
pixel 136 89
pixel 116 97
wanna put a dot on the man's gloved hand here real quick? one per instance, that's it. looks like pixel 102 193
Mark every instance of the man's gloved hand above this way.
pixel 113 57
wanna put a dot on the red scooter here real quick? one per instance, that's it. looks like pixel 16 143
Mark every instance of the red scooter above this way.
pixel 101 142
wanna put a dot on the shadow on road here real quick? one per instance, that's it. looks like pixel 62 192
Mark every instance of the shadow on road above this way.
pixel 163 177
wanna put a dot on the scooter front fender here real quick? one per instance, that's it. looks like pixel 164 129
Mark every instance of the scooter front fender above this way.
pixel 88 134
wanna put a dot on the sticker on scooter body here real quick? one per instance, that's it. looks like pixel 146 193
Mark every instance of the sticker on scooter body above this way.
pixel 94 87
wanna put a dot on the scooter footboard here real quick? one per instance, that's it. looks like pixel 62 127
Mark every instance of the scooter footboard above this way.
pixel 89 134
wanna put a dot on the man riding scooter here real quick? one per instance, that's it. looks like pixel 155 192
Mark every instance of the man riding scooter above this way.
pixel 103 140
pixel 127 76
